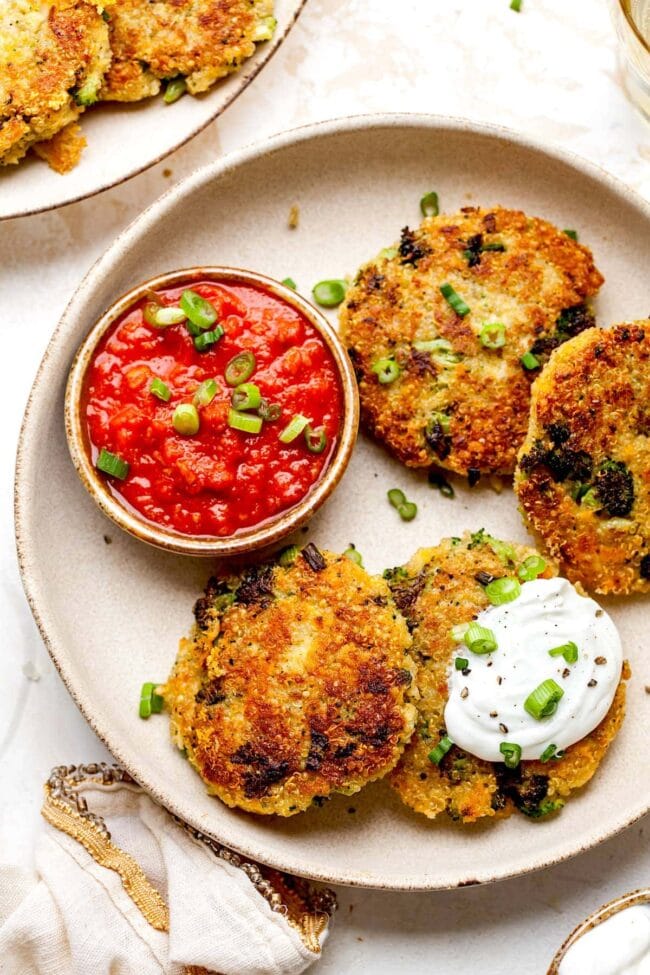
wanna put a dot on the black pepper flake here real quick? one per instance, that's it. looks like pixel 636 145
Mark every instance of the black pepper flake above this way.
pixel 499 680
pixel 599 613
pixel 313 558
pixel 465 671
pixel 484 578
pixel 566 672
pixel 600 660
pixel 494 714
pixel 489 663
pixel 592 683
pixel 503 729
pixel 464 693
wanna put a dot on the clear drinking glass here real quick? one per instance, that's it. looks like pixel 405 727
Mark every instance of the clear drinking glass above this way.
pixel 632 19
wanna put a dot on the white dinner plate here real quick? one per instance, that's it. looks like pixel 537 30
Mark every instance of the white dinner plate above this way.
pixel 112 614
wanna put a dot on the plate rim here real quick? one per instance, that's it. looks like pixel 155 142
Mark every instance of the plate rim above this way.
pixel 246 75
pixel 141 224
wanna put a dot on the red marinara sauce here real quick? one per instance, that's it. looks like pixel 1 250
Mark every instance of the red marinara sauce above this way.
pixel 220 480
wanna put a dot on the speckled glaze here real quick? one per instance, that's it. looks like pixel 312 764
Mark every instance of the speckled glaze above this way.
pixel 357 182
pixel 256 537
pixel 641 896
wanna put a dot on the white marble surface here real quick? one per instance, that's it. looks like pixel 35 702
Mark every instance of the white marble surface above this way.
pixel 550 71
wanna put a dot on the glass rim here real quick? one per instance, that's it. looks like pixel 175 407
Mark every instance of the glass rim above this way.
pixel 624 5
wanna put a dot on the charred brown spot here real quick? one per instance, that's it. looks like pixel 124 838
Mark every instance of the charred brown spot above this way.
pixel 563 462
pixel 376 686
pixel 437 439
pixel 490 223
pixel 644 567
pixel 406 592
pixel 422 362
pixel 211 692
pixel 403 677
pixel 258 781
pixel 473 250
pixel 344 751
pixel 318 749
pixel 205 606
pixel 410 249
pixel 256 586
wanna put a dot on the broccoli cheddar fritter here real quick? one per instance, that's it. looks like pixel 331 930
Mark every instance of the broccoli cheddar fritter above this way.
pixel 53 56
pixel 583 478
pixel 437 327
pixel 295 684
pixel 439 588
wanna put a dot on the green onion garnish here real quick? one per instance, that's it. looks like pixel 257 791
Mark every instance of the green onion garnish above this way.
pixel 150 701
pixel 531 567
pixel 247 396
pixel 396 497
pixel 186 419
pixel 439 348
pixel 441 749
pixel 329 294
pixel 567 650
pixel 461 663
pixel 429 205
pixel 245 422
pixel 548 753
pixel 454 300
pixel 269 411
pixel 573 234
pixel 160 316
pixel 199 311
pixel 315 439
pixel 289 283
pixel 386 370
pixel 436 480
pixel 516 5
pixel 203 341
pixel 407 511
pixel 479 639
pixel 174 89
pixel 240 368
pixel 112 465
pixel 288 555
pixel 388 253
pixel 493 335
pixel 529 361
pixel 543 701
pixel 458 632
pixel 353 555
pixel 511 753
pixel 294 428
pixel 160 390
pixel 205 393
pixel 504 590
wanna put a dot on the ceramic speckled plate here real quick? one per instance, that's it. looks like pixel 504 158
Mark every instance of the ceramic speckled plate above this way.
pixel 124 139
pixel 111 614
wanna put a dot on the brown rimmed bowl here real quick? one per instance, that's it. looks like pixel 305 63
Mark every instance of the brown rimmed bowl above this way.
pixel 641 896
pixel 246 540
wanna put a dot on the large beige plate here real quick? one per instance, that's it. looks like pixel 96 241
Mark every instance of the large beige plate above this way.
pixel 125 139
pixel 112 614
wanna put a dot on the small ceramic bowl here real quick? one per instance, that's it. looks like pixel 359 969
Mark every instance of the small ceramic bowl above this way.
pixel 602 914
pixel 257 536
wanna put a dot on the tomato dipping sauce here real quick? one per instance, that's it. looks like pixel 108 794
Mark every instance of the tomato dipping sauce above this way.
pixel 218 480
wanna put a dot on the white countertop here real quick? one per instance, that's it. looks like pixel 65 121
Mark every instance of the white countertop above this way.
pixel 550 71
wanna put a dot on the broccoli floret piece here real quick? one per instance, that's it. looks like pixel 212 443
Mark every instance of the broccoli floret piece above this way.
pixel 614 486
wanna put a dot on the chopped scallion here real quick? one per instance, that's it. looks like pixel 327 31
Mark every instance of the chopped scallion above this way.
pixel 205 393
pixel 396 497
pixel 240 368
pixel 516 5
pixel 511 753
pixel 329 294
pixel 289 283
pixel 479 639
pixel 203 341
pixel 458 632
pixel 294 428
pixel 531 567
pixel 245 422
pixel 388 253
pixel 407 511
pixel 199 311
pixel 543 701
pixel 429 205
pixel 386 370
pixel 454 300
pixel 461 663
pixel 288 555
pixel 161 316
pixel 567 650
pixel 493 335
pixel 150 701
pixel 353 555
pixel 174 89
pixel 112 465
pixel 503 590
pixel 529 361
pixel 548 753
pixel 246 396
pixel 186 419
pixel 315 439
pixel 441 749
pixel 160 390
pixel 573 234
pixel 269 411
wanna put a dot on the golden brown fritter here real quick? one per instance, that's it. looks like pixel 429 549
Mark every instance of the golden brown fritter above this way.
pixel 295 684
pixel 436 590
pixel 53 57
pixel 583 478
pixel 456 402
pixel 202 40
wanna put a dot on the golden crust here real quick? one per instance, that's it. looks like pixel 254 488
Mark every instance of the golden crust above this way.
pixel 485 393
pixel 203 40
pixel 297 689
pixel 51 55
pixel 436 590
pixel 63 151
pixel 590 428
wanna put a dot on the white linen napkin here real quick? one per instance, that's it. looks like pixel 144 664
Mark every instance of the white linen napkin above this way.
pixel 151 896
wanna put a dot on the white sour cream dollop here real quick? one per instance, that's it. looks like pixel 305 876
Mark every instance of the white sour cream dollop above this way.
pixel 618 946
pixel 486 705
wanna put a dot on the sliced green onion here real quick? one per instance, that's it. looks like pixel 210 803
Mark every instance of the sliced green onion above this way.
pixel 288 555
pixel 504 590
pixel 245 422
pixel 458 632
pixel 150 701
pixel 174 89
pixel 160 390
pixel 493 335
pixel 386 370
pixel 439 348
pixel 516 5
pixel 294 428
pixel 503 550
pixel 240 368
pixel 199 311
pixel 548 753
pixel 388 253
pixel 529 361
pixel 396 497
pixel 436 480
pixel 429 205
pixel 441 749
pixel 496 246
pixel 567 650
pixel 315 439
pixel 543 701
pixel 246 396
pixel 573 234
pixel 186 419
pixel 442 419
pixel 531 567
pixel 269 411
pixel 289 283
pixel 479 639
pixel 353 555
pixel 329 294
pixel 203 341
pixel 205 393
pixel 461 663
pixel 407 511
pixel 454 300
pixel 112 465
pixel 161 316
pixel 511 753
